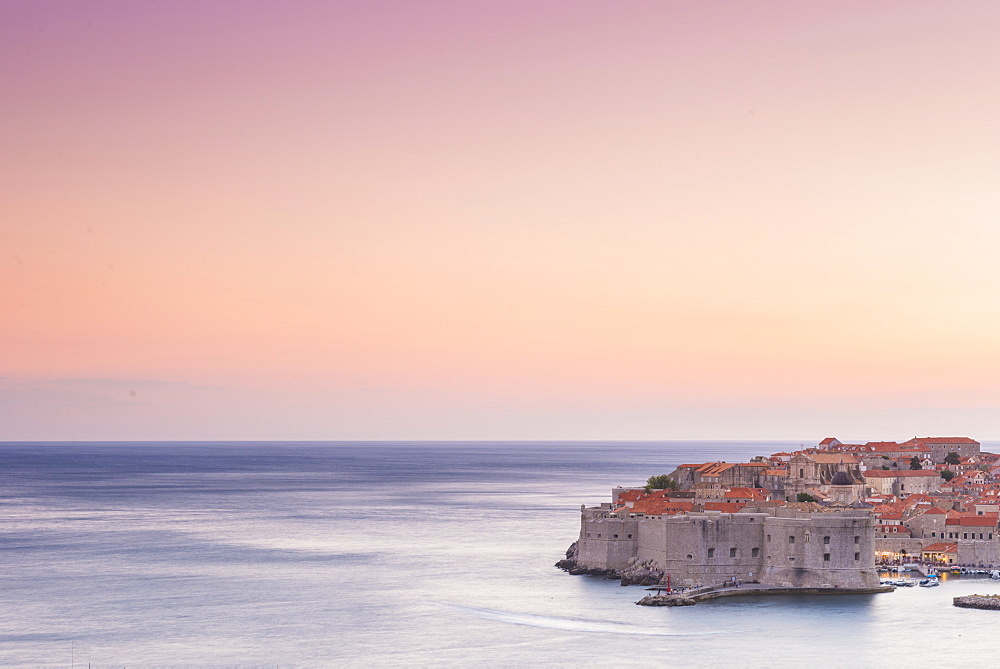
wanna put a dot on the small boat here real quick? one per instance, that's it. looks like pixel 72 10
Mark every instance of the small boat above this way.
pixel 903 582
pixel 995 573
pixel 929 583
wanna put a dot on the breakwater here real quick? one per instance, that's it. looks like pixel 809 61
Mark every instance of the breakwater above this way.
pixel 694 596
pixel 988 602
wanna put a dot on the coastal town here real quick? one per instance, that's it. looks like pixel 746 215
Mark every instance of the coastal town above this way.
pixel 826 518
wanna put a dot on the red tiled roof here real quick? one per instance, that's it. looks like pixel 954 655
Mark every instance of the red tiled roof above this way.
pixel 942 548
pixel 943 440
pixel 974 521
pixel 728 507
pixel 660 507
pixel 904 473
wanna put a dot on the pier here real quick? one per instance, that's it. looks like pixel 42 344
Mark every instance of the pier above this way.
pixel 691 597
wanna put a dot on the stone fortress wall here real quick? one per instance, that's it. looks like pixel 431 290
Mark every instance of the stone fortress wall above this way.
pixel 779 547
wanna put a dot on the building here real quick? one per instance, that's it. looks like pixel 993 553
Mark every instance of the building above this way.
pixel 903 482
pixel 781 547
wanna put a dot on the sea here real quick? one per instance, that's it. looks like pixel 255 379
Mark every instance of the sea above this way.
pixel 389 554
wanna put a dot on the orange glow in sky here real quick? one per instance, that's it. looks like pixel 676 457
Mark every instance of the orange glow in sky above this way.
pixel 499 220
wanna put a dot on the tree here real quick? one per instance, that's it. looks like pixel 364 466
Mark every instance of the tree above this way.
pixel 915 463
pixel 885 467
pixel 661 482
pixel 947 474
pixel 805 497
pixel 952 458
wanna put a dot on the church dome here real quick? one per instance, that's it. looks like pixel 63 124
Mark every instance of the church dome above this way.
pixel 841 478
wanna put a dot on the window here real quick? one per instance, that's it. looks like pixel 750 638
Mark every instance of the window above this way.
pixel 598 536
pixel 965 535
pixel 857 540
pixel 802 473
pixel 630 536
pixel 732 552
pixel 791 539
pixel 933 534
pixel 826 557
pixel 754 552
pixel 588 535
pixel 826 540
pixel 857 556
pixel 616 536
pixel 711 552
pixel 690 557
pixel 769 538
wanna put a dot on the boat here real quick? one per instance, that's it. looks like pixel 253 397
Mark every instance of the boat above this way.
pixel 903 582
pixel 995 573
pixel 929 583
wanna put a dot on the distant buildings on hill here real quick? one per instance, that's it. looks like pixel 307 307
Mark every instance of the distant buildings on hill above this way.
pixel 928 498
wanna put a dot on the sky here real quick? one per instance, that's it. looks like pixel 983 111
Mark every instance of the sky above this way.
pixel 499 219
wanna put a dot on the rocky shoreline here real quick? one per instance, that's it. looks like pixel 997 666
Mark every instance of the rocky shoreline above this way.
pixel 987 602
pixel 637 573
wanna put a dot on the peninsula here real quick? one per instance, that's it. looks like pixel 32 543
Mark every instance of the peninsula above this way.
pixel 819 519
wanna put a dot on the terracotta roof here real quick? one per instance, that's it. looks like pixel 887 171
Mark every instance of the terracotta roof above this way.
pixel 728 507
pixel 942 548
pixel 945 440
pixel 902 473
pixel 660 507
pixel 747 493
pixel 833 458
pixel 973 521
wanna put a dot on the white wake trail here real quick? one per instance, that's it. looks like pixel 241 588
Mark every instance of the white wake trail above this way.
pixel 568 624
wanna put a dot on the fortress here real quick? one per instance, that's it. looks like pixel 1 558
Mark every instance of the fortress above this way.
pixel 777 547
pixel 817 518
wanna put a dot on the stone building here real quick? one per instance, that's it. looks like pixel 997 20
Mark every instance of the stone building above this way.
pixel 903 482
pixel 815 471
pixel 781 547
pixel 940 447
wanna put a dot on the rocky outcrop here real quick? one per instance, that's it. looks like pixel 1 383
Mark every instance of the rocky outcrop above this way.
pixel 641 573
pixel 989 602
pixel 637 573
pixel 569 564
pixel 666 600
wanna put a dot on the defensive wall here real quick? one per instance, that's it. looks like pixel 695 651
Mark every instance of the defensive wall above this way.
pixel 779 548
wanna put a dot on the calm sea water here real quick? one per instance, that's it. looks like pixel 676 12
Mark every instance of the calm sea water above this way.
pixel 391 554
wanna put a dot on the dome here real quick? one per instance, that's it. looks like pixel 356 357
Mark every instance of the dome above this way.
pixel 842 478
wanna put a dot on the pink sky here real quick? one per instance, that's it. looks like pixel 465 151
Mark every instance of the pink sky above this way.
pixel 499 220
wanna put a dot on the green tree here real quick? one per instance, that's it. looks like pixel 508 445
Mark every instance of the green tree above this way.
pixel 952 458
pixel 947 474
pixel 805 497
pixel 915 463
pixel 661 482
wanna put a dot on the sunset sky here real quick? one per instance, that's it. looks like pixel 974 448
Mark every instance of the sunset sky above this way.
pixel 511 219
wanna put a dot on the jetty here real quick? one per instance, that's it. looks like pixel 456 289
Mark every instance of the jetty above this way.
pixel 691 597
pixel 987 602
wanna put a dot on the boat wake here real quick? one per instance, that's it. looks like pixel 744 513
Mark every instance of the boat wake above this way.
pixel 568 624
